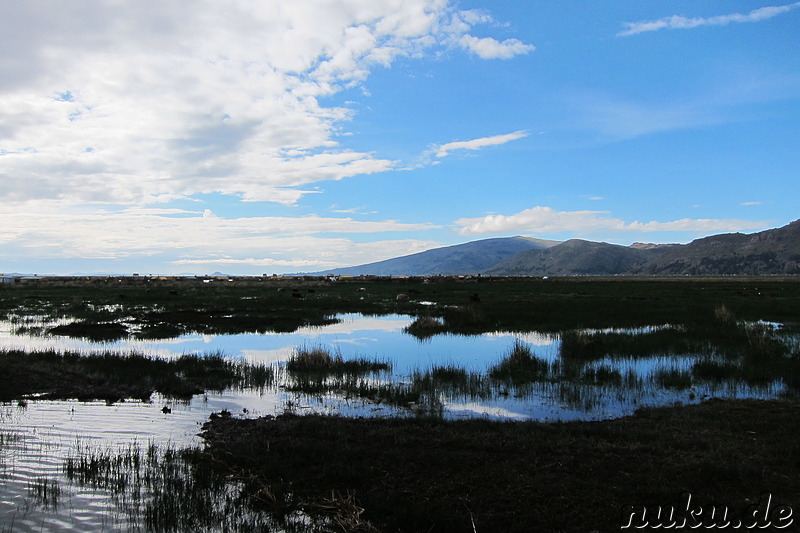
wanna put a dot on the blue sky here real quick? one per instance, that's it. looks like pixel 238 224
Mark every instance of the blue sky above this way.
pixel 271 137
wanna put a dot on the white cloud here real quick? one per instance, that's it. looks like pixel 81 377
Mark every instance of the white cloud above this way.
pixel 476 144
pixel 250 261
pixel 201 234
pixel 681 22
pixel 141 102
pixel 488 48
pixel 310 254
pixel 546 220
pixel 361 210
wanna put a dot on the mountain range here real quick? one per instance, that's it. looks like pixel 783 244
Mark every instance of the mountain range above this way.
pixel 770 252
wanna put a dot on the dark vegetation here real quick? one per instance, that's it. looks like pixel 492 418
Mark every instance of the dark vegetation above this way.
pixel 317 473
pixel 145 307
pixel 160 490
pixel 113 376
pixel 433 475
pixel 713 319
pixel 319 361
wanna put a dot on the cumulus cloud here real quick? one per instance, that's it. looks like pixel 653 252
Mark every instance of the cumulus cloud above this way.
pixel 444 150
pixel 137 103
pixel 546 220
pixel 488 48
pixel 681 22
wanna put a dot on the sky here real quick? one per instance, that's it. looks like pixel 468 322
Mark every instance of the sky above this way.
pixel 268 137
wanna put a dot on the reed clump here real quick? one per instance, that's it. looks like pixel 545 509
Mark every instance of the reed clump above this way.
pixel 425 327
pixel 673 378
pixel 521 366
pixel 320 360
pixel 45 492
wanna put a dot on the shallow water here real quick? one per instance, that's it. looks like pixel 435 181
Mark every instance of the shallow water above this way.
pixel 39 435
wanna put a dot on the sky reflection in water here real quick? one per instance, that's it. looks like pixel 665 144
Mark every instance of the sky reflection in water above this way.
pixel 49 431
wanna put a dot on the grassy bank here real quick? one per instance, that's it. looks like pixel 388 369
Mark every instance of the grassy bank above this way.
pixel 116 376
pixel 478 475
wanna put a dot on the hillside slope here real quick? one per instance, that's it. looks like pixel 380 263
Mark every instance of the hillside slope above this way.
pixel 468 258
pixel 770 252
pixel 572 258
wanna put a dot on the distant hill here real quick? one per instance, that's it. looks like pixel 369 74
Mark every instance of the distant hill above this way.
pixel 573 257
pixel 770 252
pixel 775 251
pixel 469 258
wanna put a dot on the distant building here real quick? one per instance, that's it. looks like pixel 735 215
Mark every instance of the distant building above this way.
pixel 6 279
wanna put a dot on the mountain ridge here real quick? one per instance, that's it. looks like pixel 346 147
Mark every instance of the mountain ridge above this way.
pixel 769 252
pixel 468 258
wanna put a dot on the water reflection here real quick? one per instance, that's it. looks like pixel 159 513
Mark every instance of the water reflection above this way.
pixel 582 374
pixel 654 365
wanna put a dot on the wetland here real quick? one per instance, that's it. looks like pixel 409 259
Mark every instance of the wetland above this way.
pixel 445 404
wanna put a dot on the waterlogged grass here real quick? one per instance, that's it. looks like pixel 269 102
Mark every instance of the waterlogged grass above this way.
pixel 674 378
pixel 722 336
pixel 116 376
pixel 45 492
pixel 601 372
pixel 478 475
pixel 150 307
pixel 425 327
pixel 521 366
pixel 165 489
pixel 320 360
pixel 316 473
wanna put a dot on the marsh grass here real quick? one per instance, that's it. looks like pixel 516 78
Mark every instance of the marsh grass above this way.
pixel 467 318
pixel 9 438
pixel 163 488
pixel 114 376
pixel 720 337
pixel 433 475
pixel 603 375
pixel 425 327
pixel 715 371
pixel 576 382
pixel 183 305
pixel 520 365
pixel 319 360
pixel 45 492
pixel 673 378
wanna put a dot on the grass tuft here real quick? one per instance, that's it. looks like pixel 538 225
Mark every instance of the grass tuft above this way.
pixel 521 366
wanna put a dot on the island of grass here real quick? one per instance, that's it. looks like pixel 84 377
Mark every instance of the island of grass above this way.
pixel 111 376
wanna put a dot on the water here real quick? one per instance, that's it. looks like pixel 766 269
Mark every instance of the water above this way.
pixel 37 436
